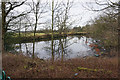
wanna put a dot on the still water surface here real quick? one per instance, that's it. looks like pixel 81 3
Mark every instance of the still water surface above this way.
pixel 73 47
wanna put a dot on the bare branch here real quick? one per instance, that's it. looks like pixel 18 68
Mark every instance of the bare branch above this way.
pixel 12 6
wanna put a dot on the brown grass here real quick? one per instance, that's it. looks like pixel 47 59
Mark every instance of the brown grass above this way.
pixel 19 66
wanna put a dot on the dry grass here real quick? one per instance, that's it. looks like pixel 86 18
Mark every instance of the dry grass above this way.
pixel 19 66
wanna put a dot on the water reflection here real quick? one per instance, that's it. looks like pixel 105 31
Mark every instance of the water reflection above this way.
pixel 67 48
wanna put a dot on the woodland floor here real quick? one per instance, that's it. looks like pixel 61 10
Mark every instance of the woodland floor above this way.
pixel 19 66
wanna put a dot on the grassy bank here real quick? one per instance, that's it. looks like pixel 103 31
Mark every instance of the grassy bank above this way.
pixel 44 34
pixel 19 66
pixel 28 37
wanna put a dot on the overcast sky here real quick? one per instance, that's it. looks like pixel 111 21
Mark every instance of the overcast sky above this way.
pixel 81 14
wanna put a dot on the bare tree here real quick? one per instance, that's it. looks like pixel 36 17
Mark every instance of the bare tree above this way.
pixel 9 12
pixel 59 20
pixel 106 6
pixel 38 8
pixel 62 16
pixel 62 21
pixel 52 25
pixel 7 16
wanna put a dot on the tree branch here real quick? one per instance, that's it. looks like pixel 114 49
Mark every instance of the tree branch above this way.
pixel 12 7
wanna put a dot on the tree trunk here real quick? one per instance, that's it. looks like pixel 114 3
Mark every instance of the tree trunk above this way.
pixel 52 30
pixel 119 30
pixel 3 25
pixel 36 17
pixel 20 37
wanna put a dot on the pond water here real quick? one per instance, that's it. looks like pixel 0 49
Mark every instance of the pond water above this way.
pixel 67 48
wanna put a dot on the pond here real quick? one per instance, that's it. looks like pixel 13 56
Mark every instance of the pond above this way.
pixel 66 48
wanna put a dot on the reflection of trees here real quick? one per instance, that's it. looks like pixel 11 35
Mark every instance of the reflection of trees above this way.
pixel 62 49
pixel 28 53
pixel 78 36
pixel 63 45
pixel 59 48
pixel 20 50
pixel 48 48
